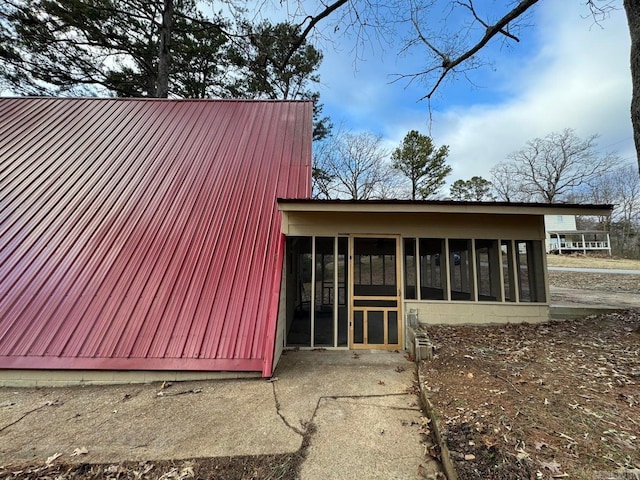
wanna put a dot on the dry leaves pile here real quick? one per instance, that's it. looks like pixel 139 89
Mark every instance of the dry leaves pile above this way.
pixel 261 467
pixel 540 401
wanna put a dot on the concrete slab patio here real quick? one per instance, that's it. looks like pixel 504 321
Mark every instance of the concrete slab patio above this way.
pixel 365 428
pixel 365 418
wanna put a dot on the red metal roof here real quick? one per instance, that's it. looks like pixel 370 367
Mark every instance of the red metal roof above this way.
pixel 144 234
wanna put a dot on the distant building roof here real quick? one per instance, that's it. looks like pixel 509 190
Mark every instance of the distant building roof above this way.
pixel 144 234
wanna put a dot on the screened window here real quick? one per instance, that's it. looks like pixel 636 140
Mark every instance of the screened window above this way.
pixel 299 275
pixel 483 270
pixel 343 275
pixel 488 271
pixel 325 292
pixel 506 250
pixel 460 255
pixel 530 271
pixel 317 291
pixel 374 266
pixel 410 292
pixel 432 269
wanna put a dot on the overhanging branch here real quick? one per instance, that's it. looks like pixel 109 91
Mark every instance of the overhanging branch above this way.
pixel 449 64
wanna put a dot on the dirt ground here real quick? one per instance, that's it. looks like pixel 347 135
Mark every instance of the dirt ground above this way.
pixel 539 401
pixel 595 282
pixel 599 289
pixel 595 289
pixel 558 400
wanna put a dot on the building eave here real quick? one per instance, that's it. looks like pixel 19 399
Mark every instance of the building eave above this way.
pixel 444 206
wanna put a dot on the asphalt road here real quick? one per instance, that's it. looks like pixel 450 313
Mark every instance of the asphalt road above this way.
pixel 595 270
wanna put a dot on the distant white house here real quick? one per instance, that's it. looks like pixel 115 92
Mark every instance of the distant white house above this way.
pixel 563 236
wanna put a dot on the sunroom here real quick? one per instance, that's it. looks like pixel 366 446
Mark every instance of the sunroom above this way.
pixel 355 272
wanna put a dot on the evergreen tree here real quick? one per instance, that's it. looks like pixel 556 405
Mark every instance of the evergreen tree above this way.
pixel 424 165
pixel 143 48
pixel 270 70
pixel 474 189
pixel 122 47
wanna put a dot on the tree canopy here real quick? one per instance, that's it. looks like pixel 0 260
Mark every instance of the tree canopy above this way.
pixel 140 48
pixel 269 69
pixel 422 164
pixel 621 188
pixel 352 166
pixel 475 189
pixel 113 46
pixel 550 169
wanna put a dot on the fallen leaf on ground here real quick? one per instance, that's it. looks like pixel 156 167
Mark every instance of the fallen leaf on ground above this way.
pixel 175 474
pixel 52 458
pixel 79 451
pixel 553 466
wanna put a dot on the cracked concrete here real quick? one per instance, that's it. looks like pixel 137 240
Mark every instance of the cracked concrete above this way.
pixel 364 419
pixel 350 414
pixel 225 418
pixel 358 439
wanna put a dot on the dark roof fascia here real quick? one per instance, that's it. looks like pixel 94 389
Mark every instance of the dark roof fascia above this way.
pixel 442 206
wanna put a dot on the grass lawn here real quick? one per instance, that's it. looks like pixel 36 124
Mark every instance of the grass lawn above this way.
pixel 591 261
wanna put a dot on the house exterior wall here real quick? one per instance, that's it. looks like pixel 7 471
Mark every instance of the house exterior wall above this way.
pixel 559 222
pixel 140 233
pixel 477 313
pixel 518 227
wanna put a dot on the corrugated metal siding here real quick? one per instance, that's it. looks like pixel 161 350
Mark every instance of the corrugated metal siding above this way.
pixel 144 234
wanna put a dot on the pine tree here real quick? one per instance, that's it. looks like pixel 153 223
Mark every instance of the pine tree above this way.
pixel 424 165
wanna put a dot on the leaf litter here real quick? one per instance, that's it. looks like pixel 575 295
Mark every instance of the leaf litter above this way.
pixel 539 401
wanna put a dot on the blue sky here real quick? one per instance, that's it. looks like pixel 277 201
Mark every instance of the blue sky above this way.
pixel 567 72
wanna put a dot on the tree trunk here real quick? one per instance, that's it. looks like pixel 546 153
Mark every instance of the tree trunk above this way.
pixel 632 8
pixel 164 54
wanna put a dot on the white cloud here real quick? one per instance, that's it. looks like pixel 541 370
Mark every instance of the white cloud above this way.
pixel 578 77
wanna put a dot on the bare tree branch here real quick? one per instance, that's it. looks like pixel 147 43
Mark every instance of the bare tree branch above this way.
pixel 449 64
pixel 472 9
pixel 551 168
pixel 313 21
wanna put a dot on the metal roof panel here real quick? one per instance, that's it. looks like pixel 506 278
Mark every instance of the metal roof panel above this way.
pixel 144 234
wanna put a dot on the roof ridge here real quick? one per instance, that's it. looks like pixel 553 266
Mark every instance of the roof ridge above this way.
pixel 154 99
